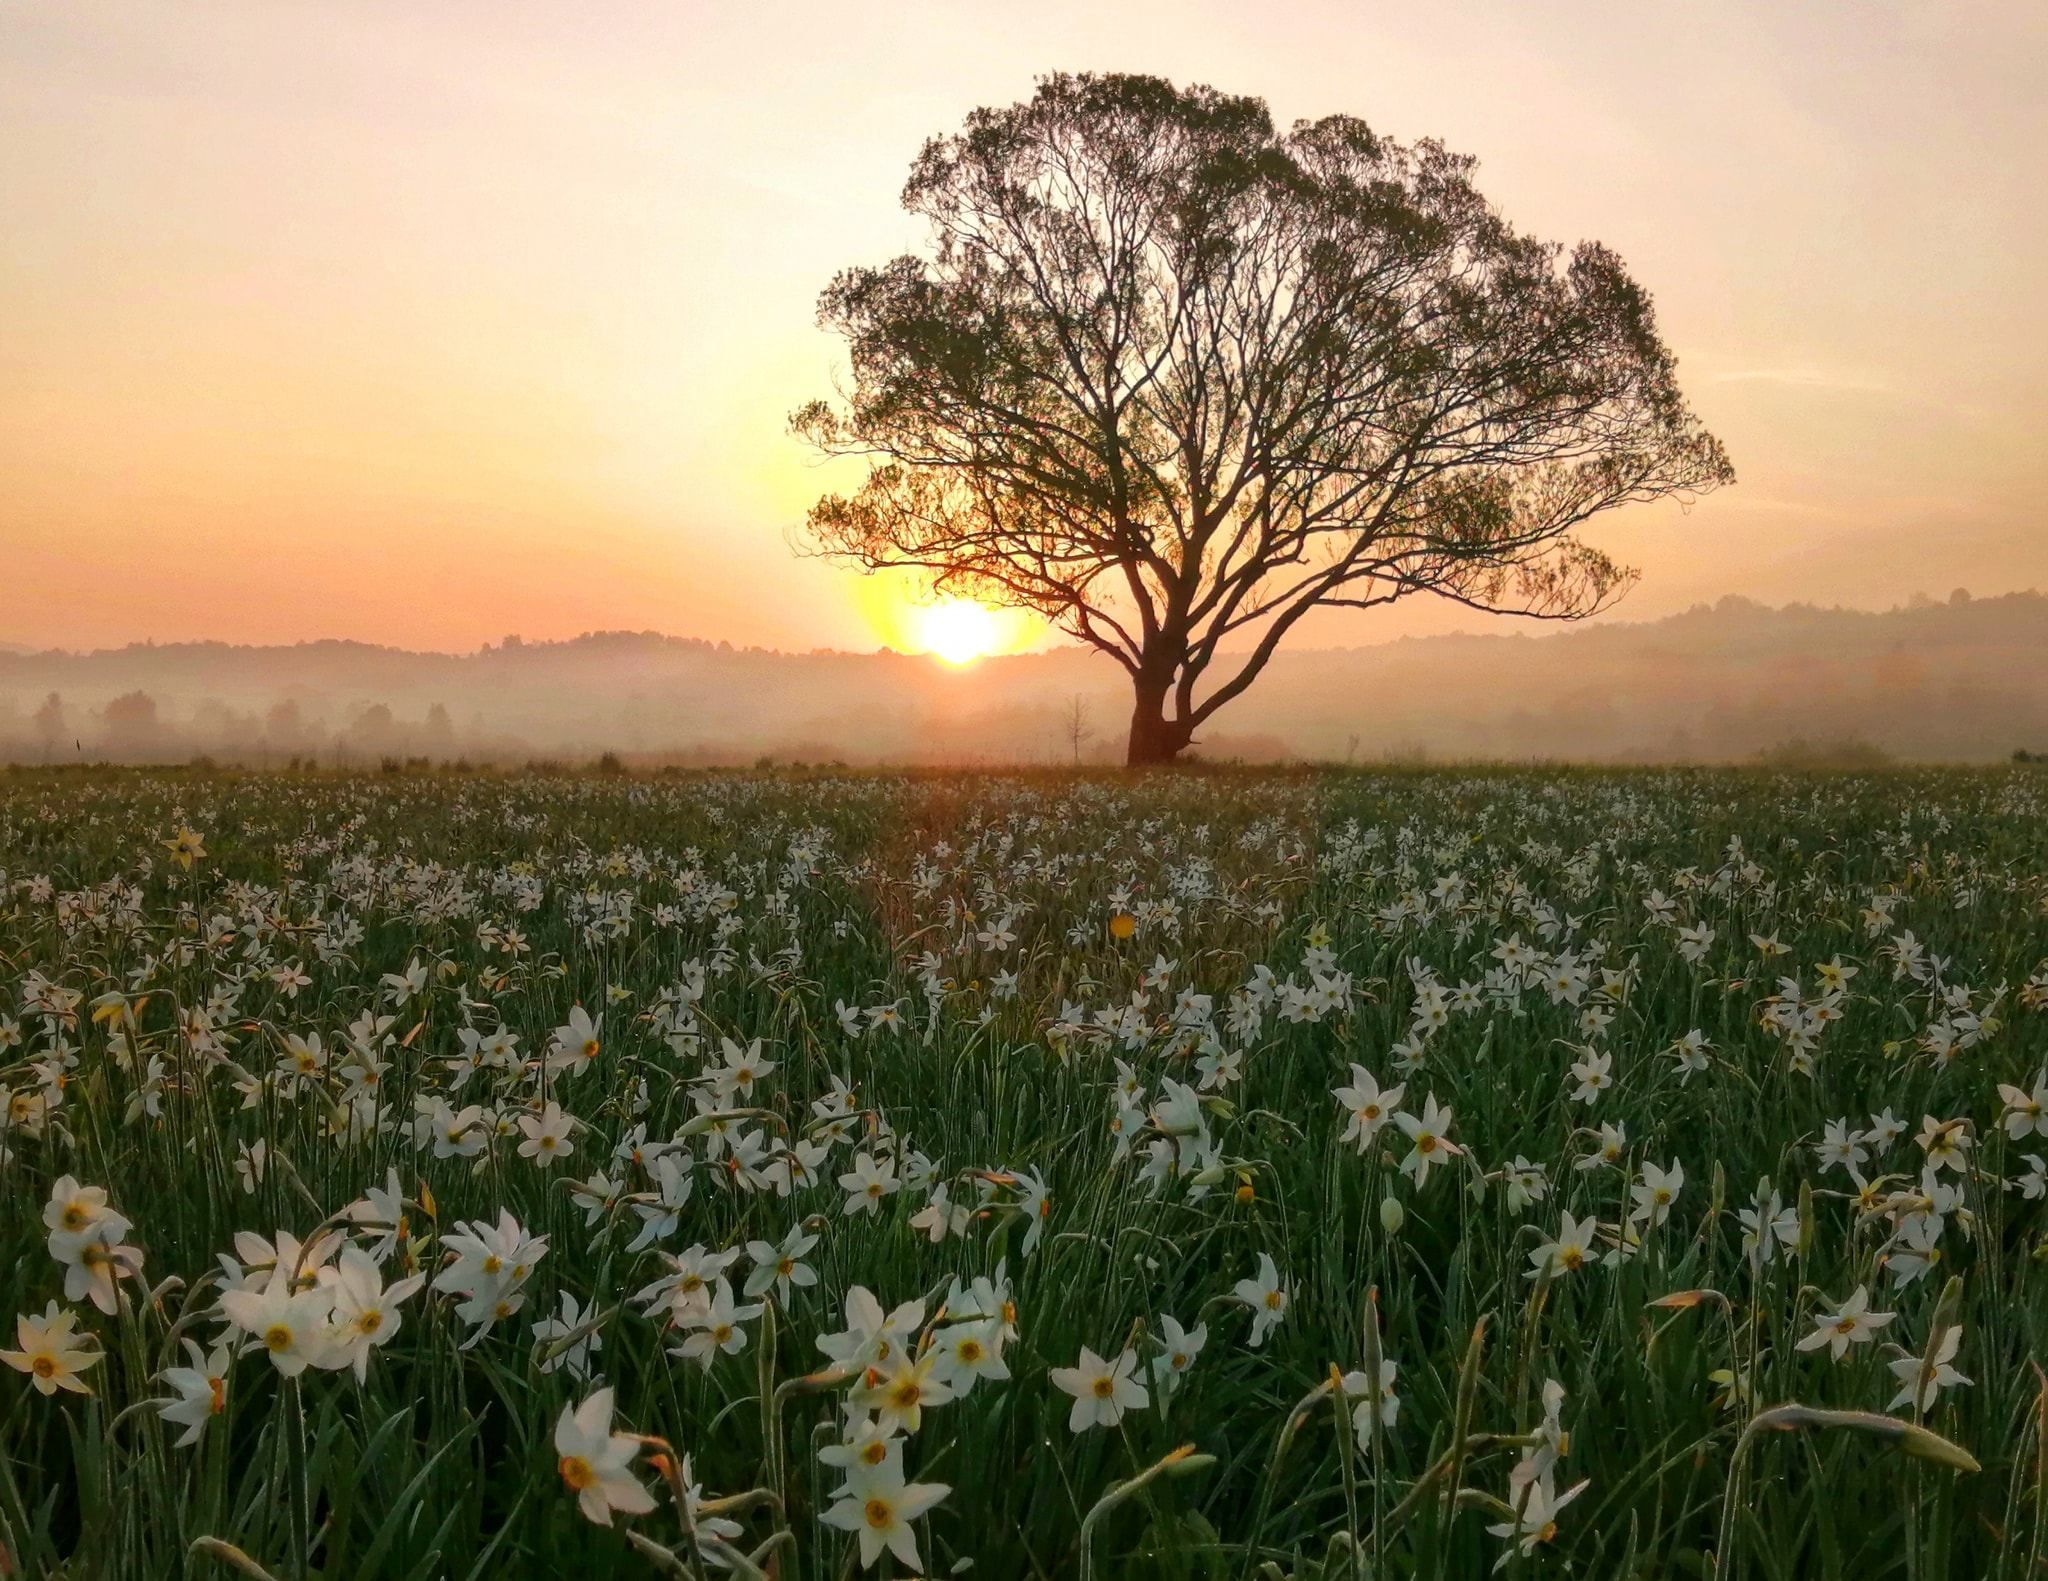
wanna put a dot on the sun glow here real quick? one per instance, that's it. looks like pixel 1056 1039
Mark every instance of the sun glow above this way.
pixel 959 631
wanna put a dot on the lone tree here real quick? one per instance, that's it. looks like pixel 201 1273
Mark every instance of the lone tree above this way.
pixel 1172 379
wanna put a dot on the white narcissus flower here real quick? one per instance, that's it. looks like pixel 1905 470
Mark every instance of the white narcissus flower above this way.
pixel 878 1506
pixel 1377 1407
pixel 871 1338
pixel 898 1394
pixel 567 1340
pixel 867 1183
pixel 593 1460
pixel 1102 1390
pixel 577 1044
pixel 365 1313
pixel 96 1263
pixel 717 1326
pixel 1266 1297
pixel 1854 1324
pixel 547 1135
pixel 50 1351
pixel 781 1268
pixel 1428 1144
pixel 1570 1252
pixel 1536 1512
pixel 1922 1378
pixel 289 1324
pixel 74 1212
pixel 1368 1106
pixel 966 1352
pixel 1182 1348
pixel 200 1391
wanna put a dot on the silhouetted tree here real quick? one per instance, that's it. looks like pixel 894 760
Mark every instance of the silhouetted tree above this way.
pixel 131 725
pixel 1075 726
pixel 50 728
pixel 1173 379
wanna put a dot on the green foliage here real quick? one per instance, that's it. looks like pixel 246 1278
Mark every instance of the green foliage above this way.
pixel 795 893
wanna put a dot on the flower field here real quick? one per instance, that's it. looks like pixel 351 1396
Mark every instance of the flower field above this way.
pixel 1225 1175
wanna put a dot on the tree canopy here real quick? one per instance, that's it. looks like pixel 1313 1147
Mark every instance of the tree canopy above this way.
pixel 1172 378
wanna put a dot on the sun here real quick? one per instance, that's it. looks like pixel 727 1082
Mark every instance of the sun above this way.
pixel 959 631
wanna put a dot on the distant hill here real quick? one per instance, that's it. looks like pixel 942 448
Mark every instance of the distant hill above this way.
pixel 1964 680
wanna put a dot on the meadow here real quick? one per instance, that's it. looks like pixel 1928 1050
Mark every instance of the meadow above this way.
pixel 1282 1175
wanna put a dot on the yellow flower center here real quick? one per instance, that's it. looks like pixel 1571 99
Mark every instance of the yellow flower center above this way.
pixel 880 1514
pixel 278 1336
pixel 1104 1387
pixel 576 1473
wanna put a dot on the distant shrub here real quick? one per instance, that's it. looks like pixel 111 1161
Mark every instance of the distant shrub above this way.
pixel 1851 752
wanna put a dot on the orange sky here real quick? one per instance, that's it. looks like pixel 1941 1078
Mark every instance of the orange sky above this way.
pixel 425 323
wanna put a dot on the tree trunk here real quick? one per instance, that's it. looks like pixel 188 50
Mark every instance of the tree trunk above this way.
pixel 1154 738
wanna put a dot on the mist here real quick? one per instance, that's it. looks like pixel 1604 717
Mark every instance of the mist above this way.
pixel 1955 680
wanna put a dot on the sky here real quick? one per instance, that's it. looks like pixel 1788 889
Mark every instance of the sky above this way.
pixel 425 324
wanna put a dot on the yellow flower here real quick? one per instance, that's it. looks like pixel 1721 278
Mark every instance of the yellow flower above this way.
pixel 186 848
pixel 50 1351
pixel 1122 925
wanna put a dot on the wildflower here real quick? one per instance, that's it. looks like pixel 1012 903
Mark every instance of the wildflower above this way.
pixel 1265 1296
pixel 1426 1133
pixel 365 1313
pixel 717 1327
pixel 1569 1252
pixel 2026 1113
pixel 1766 1225
pixel 781 1268
pixel 878 1505
pixel 867 1183
pixel 555 1348
pixel 1594 1074
pixel 1102 1390
pixel 1922 1378
pixel 1378 1405
pixel 289 1324
pixel 941 1216
pixel 1852 1325
pixel 870 1338
pixel 577 1043
pixel 899 1393
pixel 1536 1510
pixel 593 1461
pixel 50 1351
pixel 95 1262
pixel 1944 1142
pixel 199 1392
pixel 1367 1106
pixel 1655 1193
pixel 1181 1348
pixel 75 1213
pixel 547 1136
